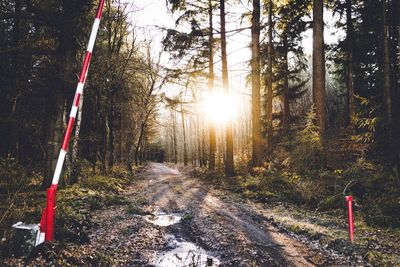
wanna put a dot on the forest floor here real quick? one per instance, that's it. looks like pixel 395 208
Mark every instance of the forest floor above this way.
pixel 172 219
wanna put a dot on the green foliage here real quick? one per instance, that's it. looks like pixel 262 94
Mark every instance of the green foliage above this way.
pixel 307 151
pixel 366 121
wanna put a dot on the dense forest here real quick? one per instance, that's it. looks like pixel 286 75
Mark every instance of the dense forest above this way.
pixel 294 119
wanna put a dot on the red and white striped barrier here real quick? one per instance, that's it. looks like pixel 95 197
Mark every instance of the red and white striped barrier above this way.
pixel 47 221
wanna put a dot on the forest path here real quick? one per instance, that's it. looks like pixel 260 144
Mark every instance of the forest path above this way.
pixel 175 220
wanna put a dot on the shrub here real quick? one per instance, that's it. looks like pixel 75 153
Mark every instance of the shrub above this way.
pixel 306 154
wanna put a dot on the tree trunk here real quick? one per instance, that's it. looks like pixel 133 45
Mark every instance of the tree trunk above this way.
pixel 255 83
pixel 129 150
pixel 269 77
pixel 94 142
pixel 65 58
pixel 285 95
pixel 319 94
pixel 174 137
pixel 12 143
pixel 350 67
pixel 203 147
pixel 56 128
pixel 398 87
pixel 387 96
pixel 185 156
pixel 74 153
pixel 211 163
pixel 54 137
pixel 199 137
pixel 110 142
pixel 139 143
pixel 229 165
pixel 106 138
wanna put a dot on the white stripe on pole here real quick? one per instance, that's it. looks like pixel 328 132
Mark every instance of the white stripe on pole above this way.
pixel 59 166
pixel 79 88
pixel 74 110
pixel 92 39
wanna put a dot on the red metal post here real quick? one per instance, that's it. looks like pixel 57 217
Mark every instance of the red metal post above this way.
pixel 47 221
pixel 349 200
pixel 50 211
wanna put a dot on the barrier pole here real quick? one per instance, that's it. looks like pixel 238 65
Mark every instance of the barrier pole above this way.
pixel 349 201
pixel 49 212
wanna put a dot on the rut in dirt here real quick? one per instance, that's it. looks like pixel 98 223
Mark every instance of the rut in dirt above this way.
pixel 183 221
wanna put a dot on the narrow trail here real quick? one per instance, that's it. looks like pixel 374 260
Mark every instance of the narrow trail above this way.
pixel 174 220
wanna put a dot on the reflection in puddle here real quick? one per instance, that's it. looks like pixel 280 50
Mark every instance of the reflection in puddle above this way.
pixel 163 219
pixel 184 253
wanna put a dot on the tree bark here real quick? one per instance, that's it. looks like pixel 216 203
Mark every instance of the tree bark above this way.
pixel 106 138
pixel 229 164
pixel 387 96
pixel 211 162
pixel 398 87
pixel 110 142
pixel 286 100
pixel 74 152
pixel 54 137
pixel 319 93
pixel 175 145
pixel 269 77
pixel 185 156
pixel 350 67
pixel 139 142
pixel 255 82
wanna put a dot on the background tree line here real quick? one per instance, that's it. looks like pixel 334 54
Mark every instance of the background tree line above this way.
pixel 310 127
pixel 353 84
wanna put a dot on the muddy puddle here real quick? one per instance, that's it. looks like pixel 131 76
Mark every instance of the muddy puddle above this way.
pixel 180 253
pixel 163 219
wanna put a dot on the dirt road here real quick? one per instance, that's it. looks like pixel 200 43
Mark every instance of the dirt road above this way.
pixel 174 220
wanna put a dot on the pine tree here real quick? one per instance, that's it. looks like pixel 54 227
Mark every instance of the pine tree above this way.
pixel 319 94
pixel 229 164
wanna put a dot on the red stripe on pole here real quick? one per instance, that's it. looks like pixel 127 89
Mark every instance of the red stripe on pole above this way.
pixel 68 133
pixel 100 9
pixel 85 67
pixel 76 99
pixel 43 221
pixel 50 211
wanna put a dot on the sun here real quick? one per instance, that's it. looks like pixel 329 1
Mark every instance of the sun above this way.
pixel 219 107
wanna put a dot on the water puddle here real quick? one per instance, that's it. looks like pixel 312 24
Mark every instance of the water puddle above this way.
pixel 163 219
pixel 181 253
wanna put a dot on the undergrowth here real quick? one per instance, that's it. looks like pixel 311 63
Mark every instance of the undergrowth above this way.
pixel 295 172
pixel 23 201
